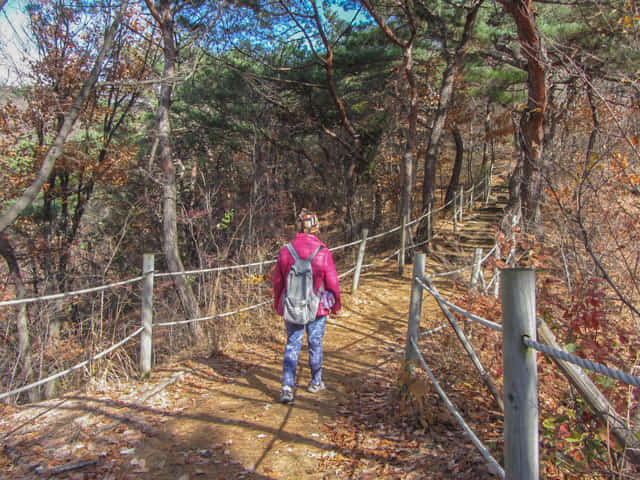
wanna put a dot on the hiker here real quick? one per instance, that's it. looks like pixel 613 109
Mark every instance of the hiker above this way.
pixel 324 285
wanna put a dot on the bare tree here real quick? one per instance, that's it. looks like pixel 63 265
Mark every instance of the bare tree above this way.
pixel 22 319
pixel 163 13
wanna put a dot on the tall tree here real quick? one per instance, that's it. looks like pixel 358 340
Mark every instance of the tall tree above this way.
pixel 52 32
pixel 444 32
pixel 454 183
pixel 163 12
pixel 406 41
pixel 526 185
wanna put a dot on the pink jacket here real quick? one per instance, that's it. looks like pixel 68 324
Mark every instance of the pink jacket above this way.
pixel 324 271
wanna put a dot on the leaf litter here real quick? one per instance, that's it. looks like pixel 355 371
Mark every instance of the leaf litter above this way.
pixel 217 415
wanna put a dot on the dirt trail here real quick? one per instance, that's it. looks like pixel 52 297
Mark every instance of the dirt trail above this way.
pixel 219 417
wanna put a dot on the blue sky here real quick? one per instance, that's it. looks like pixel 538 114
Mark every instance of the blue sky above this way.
pixel 14 44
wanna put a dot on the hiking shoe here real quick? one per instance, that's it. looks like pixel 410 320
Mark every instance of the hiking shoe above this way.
pixel 316 387
pixel 286 395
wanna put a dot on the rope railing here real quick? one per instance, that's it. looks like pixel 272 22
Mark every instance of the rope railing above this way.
pixel 57 296
pixel 355 242
pixel 213 269
pixel 383 260
pixel 562 355
pixel 71 369
pixel 433 330
pixel 469 315
pixel 380 235
pixel 584 363
pixel 451 272
pixel 494 465
pixel 195 272
pixel 211 317
pixel 519 330
pixel 464 268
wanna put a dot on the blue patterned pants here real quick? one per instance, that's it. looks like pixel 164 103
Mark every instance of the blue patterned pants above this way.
pixel 295 335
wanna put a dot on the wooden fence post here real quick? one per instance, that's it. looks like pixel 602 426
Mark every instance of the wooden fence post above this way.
pixel 520 375
pixel 146 336
pixel 403 239
pixel 496 273
pixel 455 212
pixel 475 273
pixel 356 274
pixel 487 188
pixel 415 308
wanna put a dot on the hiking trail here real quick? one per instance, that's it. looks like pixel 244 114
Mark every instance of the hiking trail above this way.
pixel 218 417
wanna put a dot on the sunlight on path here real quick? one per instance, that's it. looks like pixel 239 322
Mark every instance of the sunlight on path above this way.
pixel 237 411
pixel 219 417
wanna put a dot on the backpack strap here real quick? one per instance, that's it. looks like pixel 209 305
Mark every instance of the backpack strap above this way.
pixel 314 253
pixel 293 252
pixel 321 289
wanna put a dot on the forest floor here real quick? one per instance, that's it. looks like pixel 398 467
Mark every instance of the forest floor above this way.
pixel 218 416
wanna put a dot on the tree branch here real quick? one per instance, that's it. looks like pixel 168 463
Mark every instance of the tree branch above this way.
pixel 57 148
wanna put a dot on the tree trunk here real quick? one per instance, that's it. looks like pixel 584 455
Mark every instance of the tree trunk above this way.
pixel 410 155
pixel 52 343
pixel 408 160
pixel 164 17
pixel 22 318
pixel 435 138
pixel 454 64
pixel 454 184
pixel 532 121
pixel 378 211
pixel 488 141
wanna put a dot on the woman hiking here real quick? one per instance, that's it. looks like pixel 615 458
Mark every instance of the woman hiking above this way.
pixel 301 314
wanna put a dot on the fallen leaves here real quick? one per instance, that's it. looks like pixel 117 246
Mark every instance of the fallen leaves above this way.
pixel 378 439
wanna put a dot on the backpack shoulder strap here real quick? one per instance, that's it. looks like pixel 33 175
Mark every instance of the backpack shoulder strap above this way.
pixel 311 258
pixel 315 252
pixel 293 252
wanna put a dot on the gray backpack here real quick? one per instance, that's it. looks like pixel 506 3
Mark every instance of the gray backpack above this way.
pixel 300 302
